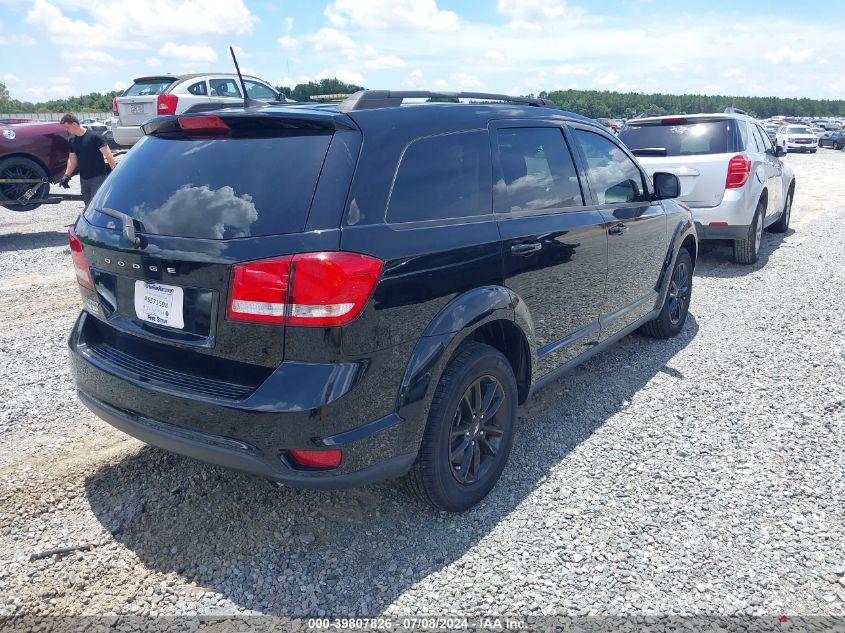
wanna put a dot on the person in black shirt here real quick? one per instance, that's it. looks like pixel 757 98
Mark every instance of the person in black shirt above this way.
pixel 87 150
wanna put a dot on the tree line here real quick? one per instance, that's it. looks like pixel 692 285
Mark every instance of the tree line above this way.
pixel 591 103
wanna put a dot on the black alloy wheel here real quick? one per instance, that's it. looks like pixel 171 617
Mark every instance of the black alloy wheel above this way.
pixel 477 430
pixel 679 292
pixel 469 431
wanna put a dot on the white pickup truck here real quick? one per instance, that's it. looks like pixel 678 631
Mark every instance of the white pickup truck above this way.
pixel 731 175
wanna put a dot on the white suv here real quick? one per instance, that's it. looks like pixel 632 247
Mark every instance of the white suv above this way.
pixel 731 175
pixel 797 137
pixel 177 94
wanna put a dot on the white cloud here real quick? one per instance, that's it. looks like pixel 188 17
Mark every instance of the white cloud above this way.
pixel 85 55
pixel 572 69
pixel 733 73
pixel 385 62
pixel 441 84
pixel 327 39
pixel 120 85
pixel 240 53
pixel 16 40
pixel 607 80
pixel 289 42
pixel 789 56
pixel 11 77
pixel 188 53
pixel 131 24
pixel 494 56
pixel 415 80
pixel 468 82
pixel 391 14
pixel 535 14
pixel 349 77
pixel 155 62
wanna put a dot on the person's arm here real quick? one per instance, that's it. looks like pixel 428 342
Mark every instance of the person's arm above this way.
pixel 106 151
pixel 71 167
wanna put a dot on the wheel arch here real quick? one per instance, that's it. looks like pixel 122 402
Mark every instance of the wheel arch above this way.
pixel 492 315
pixel 31 157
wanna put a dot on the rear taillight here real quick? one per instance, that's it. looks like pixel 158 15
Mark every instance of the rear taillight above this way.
pixel 328 458
pixel 114 107
pixel 311 289
pixel 83 274
pixel 738 169
pixel 166 104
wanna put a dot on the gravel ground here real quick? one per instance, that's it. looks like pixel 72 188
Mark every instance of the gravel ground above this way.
pixel 701 475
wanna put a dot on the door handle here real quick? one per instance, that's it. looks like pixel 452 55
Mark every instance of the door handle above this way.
pixel 617 229
pixel 526 249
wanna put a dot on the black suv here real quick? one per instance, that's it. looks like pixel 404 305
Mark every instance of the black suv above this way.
pixel 331 294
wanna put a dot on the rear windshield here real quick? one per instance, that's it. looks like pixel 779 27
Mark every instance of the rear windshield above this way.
pixel 693 137
pixel 215 188
pixel 150 87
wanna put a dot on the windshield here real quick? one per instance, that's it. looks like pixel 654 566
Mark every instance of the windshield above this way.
pixel 216 188
pixel 798 130
pixel 152 87
pixel 692 137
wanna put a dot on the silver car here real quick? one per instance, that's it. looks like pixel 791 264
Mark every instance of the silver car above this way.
pixel 177 94
pixel 731 175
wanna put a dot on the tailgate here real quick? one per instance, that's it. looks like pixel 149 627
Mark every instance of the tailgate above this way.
pixel 134 111
pixel 702 177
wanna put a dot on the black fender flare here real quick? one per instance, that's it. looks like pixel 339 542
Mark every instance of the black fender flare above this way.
pixel 684 227
pixel 452 325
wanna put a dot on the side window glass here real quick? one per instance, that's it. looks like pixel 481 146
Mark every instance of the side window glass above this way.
pixel 767 144
pixel 438 177
pixel 224 88
pixel 537 171
pixel 198 89
pixel 758 142
pixel 259 91
pixel 615 178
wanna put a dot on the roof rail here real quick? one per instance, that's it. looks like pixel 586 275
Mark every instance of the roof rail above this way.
pixel 733 110
pixel 369 99
pixel 340 96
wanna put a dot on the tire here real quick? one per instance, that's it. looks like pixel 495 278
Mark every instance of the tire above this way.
pixel 24 168
pixel 837 146
pixel 746 251
pixel 782 224
pixel 477 374
pixel 813 151
pixel 675 308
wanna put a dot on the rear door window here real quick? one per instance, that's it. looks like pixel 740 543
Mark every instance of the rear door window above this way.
pixel 535 171
pixel 224 88
pixel 216 188
pixel 148 87
pixel 614 177
pixel 439 177
pixel 680 139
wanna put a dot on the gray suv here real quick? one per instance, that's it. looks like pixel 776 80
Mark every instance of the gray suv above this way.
pixel 178 94
pixel 731 175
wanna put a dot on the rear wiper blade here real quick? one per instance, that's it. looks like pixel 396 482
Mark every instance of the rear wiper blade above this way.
pixel 126 220
pixel 649 151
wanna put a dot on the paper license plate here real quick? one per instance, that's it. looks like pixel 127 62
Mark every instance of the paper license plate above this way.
pixel 136 109
pixel 159 304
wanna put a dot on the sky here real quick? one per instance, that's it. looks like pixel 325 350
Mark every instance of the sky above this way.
pixel 59 48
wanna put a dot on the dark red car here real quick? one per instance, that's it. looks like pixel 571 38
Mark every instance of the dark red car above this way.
pixel 30 152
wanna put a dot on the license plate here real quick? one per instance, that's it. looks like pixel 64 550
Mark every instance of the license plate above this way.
pixel 136 109
pixel 159 304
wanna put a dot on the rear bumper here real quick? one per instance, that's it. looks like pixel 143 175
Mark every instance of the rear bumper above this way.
pixel 296 407
pixel 128 135
pixel 736 211
pixel 237 455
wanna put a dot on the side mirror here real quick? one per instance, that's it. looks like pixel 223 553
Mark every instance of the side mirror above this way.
pixel 666 185
pixel 780 151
